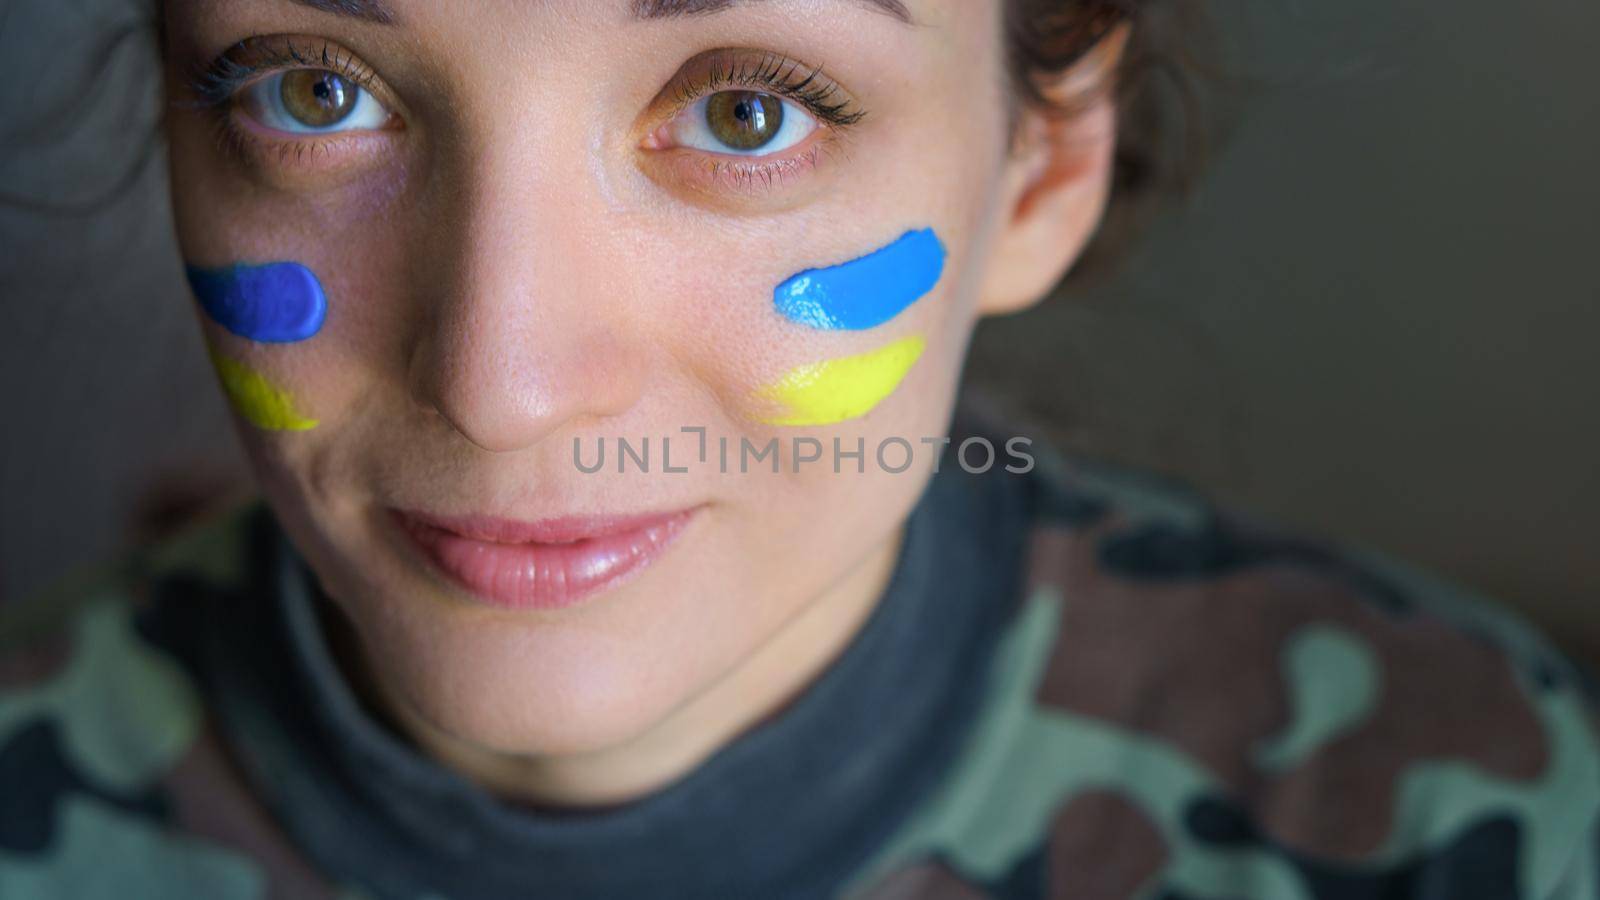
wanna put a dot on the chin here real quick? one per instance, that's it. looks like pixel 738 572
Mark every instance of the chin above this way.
pixel 499 706
pixel 522 682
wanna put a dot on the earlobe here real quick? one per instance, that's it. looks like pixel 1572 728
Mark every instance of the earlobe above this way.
pixel 1057 184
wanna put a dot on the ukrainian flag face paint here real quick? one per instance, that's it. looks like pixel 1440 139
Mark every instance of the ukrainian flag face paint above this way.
pixel 854 296
pixel 262 404
pixel 276 303
pixel 838 390
pixel 866 292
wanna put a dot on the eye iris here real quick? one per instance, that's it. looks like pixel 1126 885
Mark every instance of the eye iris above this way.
pixel 317 98
pixel 744 120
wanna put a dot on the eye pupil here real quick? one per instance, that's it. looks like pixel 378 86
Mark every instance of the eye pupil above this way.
pixel 318 98
pixel 744 120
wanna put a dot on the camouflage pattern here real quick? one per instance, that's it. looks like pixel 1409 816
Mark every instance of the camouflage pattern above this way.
pixel 1193 705
pixel 113 783
pixel 1186 706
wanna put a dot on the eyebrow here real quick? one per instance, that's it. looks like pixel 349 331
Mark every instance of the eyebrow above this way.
pixel 666 9
pixel 378 11
pixel 367 10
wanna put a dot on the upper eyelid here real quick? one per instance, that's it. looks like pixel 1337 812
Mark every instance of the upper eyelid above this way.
pixel 218 82
pixel 775 71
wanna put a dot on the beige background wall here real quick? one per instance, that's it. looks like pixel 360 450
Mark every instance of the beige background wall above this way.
pixel 1376 319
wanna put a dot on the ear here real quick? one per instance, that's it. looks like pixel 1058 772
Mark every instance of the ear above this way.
pixel 1056 184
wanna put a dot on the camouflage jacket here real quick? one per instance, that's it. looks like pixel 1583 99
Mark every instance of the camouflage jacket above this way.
pixel 1082 683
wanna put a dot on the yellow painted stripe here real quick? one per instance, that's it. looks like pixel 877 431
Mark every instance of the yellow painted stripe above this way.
pixel 838 390
pixel 262 403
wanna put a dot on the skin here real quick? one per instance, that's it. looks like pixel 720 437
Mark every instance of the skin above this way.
pixel 513 267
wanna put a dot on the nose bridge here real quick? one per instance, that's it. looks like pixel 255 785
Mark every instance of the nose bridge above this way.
pixel 513 347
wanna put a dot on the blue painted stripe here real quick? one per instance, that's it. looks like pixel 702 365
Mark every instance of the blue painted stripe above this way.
pixel 275 303
pixel 866 292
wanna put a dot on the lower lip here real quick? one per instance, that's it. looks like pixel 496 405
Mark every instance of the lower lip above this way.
pixel 543 565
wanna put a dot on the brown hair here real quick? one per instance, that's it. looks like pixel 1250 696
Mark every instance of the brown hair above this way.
pixel 1160 142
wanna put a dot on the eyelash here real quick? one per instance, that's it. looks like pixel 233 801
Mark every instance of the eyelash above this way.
pixel 780 75
pixel 218 84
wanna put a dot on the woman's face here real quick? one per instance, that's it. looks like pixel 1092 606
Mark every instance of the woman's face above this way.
pixel 435 245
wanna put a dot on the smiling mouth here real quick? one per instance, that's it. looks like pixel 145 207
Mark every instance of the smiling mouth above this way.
pixel 547 564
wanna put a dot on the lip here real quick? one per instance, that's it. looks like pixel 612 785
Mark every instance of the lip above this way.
pixel 546 564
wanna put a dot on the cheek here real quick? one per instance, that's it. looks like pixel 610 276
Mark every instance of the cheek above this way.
pixel 822 345
pixel 282 317
pixel 256 311
pixel 280 369
pixel 272 303
pixel 862 294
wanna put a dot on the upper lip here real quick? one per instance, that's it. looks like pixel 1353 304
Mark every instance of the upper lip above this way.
pixel 556 530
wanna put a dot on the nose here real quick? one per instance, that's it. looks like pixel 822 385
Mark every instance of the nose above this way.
pixel 524 328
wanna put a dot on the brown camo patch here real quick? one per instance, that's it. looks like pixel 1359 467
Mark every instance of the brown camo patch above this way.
pixel 1102 846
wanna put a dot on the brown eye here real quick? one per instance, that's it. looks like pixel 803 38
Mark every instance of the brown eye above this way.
pixel 313 101
pixel 744 120
pixel 318 98
pixel 736 123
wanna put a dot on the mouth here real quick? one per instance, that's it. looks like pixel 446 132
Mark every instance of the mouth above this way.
pixel 547 564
